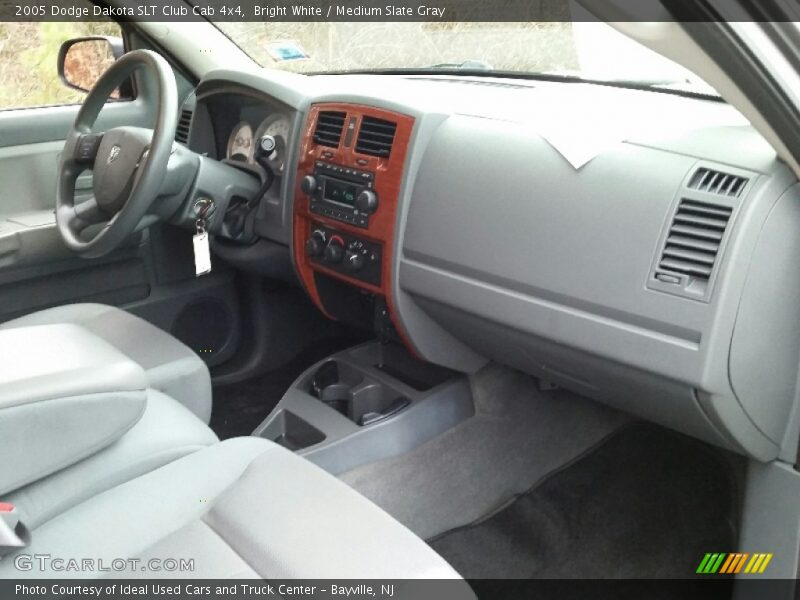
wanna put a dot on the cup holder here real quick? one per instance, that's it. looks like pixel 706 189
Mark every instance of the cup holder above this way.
pixel 337 396
pixel 373 402
pixel 345 389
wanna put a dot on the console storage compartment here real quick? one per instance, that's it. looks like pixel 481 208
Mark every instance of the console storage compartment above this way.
pixel 400 365
pixel 292 432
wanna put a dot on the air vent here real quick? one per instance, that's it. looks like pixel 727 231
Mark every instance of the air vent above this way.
pixel 182 131
pixel 375 137
pixel 329 128
pixel 717 182
pixel 694 239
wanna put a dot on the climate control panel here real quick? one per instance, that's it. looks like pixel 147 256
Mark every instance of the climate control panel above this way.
pixel 345 253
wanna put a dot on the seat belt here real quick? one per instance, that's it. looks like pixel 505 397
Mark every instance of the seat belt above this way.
pixel 13 533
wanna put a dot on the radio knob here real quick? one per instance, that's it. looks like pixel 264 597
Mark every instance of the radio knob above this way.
pixel 334 251
pixel 354 261
pixel 367 201
pixel 315 245
pixel 309 185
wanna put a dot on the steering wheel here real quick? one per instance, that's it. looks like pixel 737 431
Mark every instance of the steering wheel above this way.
pixel 129 163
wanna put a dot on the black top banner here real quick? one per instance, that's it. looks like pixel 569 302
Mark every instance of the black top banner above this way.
pixel 444 11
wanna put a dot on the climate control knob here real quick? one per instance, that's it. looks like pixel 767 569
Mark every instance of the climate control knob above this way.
pixel 309 185
pixel 367 201
pixel 334 251
pixel 315 245
pixel 354 261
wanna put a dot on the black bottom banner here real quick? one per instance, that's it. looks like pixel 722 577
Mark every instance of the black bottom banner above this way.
pixel 485 589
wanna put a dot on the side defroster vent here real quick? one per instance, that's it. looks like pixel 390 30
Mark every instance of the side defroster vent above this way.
pixel 329 128
pixel 717 182
pixel 375 137
pixel 184 123
pixel 693 240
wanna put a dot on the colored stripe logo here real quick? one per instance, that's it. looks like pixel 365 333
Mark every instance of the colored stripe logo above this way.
pixel 733 563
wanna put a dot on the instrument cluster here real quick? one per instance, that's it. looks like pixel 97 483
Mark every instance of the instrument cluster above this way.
pixel 245 135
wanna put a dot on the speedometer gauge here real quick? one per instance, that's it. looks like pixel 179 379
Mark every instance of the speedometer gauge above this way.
pixel 240 143
pixel 279 127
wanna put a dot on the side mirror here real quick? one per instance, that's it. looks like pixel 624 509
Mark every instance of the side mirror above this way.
pixel 81 62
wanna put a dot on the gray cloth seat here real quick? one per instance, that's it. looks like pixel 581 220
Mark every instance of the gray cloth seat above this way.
pixel 164 487
pixel 242 508
pixel 171 367
pixel 165 432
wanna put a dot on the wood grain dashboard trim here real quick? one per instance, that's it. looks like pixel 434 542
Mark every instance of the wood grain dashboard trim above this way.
pixel 388 173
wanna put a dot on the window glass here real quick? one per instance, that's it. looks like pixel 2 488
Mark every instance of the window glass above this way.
pixel 591 50
pixel 28 61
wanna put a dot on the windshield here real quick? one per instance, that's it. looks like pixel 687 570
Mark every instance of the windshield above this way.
pixel 586 50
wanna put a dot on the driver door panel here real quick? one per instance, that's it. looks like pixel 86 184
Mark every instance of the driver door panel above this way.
pixel 28 170
pixel 146 275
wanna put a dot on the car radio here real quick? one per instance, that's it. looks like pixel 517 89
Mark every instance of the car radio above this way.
pixel 341 193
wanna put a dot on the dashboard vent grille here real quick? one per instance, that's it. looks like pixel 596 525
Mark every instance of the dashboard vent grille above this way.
pixel 329 128
pixel 694 239
pixel 375 137
pixel 182 130
pixel 717 182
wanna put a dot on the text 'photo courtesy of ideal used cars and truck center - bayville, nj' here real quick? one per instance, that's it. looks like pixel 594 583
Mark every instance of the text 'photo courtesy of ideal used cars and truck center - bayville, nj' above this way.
pixel 453 299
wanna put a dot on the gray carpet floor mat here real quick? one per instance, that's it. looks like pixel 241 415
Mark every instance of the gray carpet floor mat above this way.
pixel 518 436
pixel 647 503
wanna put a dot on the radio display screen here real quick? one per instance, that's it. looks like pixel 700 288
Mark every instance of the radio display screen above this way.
pixel 343 193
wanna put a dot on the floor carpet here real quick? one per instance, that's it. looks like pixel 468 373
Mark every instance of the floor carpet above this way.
pixel 647 503
pixel 518 435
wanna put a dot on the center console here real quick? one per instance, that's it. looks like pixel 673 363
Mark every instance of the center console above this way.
pixel 365 404
pixel 376 400
pixel 345 212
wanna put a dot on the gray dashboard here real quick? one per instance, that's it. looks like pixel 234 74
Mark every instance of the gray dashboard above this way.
pixel 505 251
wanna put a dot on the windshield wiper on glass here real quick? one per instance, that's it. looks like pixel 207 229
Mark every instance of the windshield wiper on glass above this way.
pixel 467 65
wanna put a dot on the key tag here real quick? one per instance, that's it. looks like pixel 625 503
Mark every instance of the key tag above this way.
pixel 202 254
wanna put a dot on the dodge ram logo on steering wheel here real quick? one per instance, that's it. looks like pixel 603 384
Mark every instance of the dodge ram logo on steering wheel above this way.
pixel 113 154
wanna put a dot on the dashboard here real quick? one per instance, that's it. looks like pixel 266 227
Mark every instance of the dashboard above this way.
pixel 445 213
